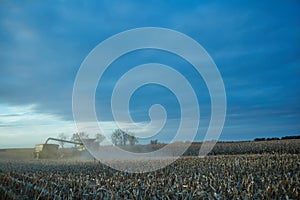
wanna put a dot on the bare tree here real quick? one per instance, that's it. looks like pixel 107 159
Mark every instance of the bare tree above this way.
pixel 62 136
pixel 154 141
pixel 117 137
pixel 77 137
pixel 132 139
pixel 120 137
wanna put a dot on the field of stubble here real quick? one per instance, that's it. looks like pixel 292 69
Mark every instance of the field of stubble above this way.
pixel 271 175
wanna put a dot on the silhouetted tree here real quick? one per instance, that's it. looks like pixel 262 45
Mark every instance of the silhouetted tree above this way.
pixel 259 139
pixel 154 141
pixel 62 136
pixel 76 137
pixel 132 139
pixel 116 137
pixel 274 138
pixel 290 137
pixel 120 137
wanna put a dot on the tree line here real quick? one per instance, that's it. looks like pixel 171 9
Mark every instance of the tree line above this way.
pixel 118 137
pixel 276 138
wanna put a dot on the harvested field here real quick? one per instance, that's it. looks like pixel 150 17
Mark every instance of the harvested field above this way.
pixel 245 176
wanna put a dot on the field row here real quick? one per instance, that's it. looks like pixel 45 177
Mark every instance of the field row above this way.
pixel 266 176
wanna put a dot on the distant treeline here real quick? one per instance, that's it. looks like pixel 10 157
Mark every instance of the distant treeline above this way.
pixel 276 138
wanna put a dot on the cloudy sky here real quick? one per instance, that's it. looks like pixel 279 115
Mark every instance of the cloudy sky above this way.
pixel 255 46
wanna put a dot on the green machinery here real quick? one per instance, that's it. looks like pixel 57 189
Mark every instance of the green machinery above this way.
pixel 42 151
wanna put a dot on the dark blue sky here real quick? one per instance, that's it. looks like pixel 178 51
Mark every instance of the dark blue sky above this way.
pixel 254 44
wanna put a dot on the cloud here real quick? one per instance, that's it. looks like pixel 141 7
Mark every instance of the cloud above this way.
pixel 23 126
pixel 254 44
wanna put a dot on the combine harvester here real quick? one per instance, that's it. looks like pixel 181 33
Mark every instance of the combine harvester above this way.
pixel 50 151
